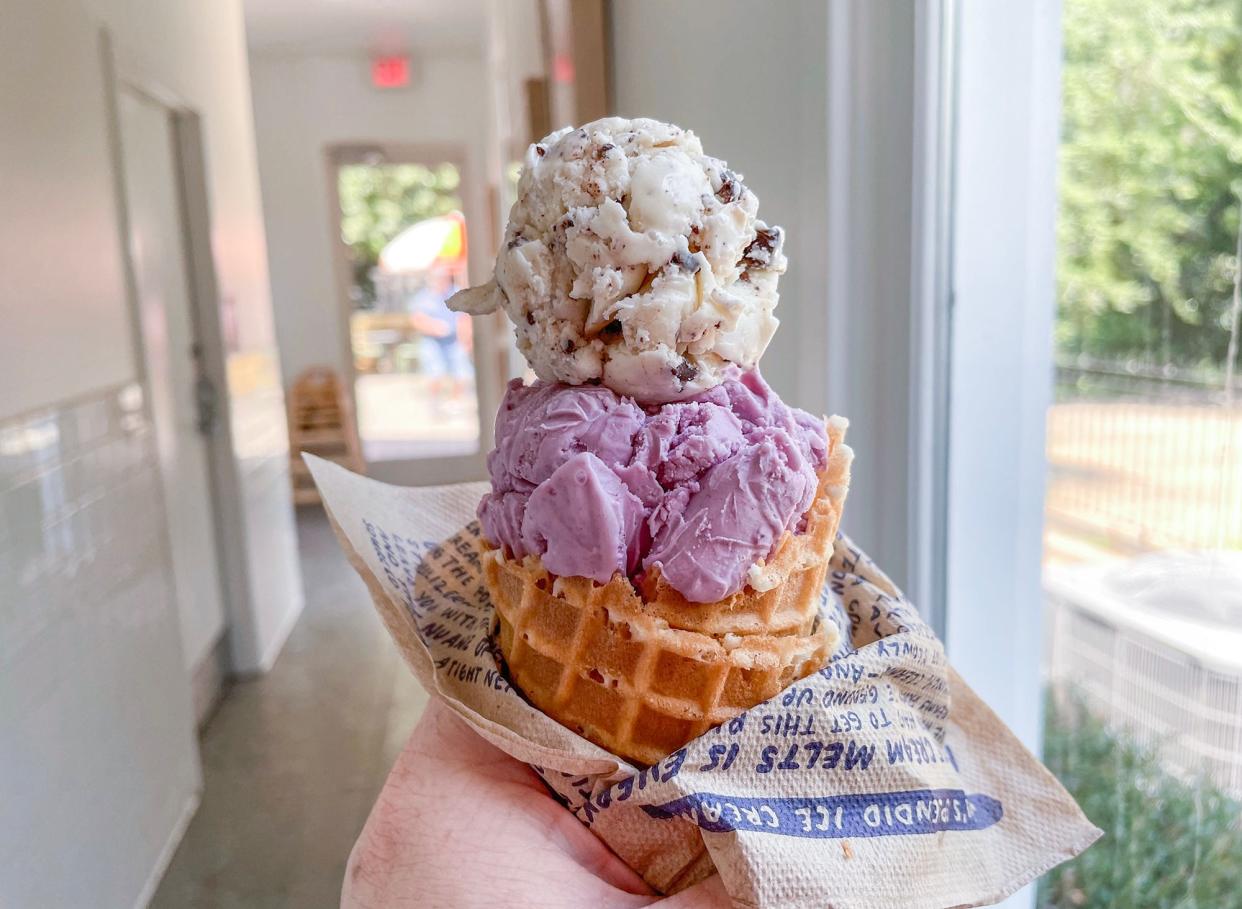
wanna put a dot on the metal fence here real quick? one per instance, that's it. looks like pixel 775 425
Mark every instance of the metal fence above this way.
pixel 1145 458
pixel 1142 462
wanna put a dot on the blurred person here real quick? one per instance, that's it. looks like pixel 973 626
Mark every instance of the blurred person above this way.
pixel 460 823
pixel 444 348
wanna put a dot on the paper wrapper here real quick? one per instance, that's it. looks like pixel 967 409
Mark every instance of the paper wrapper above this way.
pixel 880 781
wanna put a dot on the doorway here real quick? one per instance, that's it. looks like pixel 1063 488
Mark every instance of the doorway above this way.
pixel 402 252
pixel 181 393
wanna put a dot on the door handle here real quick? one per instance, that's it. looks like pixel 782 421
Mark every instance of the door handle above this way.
pixel 206 403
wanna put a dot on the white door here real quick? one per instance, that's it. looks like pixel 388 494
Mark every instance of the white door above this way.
pixel 171 354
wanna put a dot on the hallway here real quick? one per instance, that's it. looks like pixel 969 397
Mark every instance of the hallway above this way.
pixel 293 760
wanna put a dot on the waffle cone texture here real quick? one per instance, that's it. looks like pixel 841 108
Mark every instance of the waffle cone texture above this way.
pixel 642 672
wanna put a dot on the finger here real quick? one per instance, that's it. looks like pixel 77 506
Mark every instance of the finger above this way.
pixel 594 856
pixel 605 865
pixel 453 735
pixel 442 737
pixel 708 894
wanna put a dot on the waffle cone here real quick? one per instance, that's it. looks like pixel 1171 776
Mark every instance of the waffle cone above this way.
pixel 642 672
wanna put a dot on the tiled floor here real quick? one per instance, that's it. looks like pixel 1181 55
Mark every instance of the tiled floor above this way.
pixel 293 760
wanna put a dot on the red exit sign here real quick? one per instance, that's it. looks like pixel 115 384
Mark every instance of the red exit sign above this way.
pixel 390 72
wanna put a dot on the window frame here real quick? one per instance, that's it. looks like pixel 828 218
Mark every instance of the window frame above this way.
pixel 1002 307
pixel 987 316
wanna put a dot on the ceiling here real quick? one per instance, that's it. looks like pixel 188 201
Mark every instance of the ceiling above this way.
pixel 373 26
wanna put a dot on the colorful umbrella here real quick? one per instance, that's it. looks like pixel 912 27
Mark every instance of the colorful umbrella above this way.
pixel 419 246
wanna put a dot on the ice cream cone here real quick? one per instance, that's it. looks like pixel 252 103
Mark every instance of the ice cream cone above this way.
pixel 642 672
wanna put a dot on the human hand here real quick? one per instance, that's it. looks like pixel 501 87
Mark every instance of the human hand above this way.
pixel 460 823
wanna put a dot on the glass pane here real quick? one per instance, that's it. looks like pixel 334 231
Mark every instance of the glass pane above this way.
pixel 1143 530
pixel 414 377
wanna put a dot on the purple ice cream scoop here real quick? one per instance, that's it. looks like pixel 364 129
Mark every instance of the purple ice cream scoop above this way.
pixel 594 483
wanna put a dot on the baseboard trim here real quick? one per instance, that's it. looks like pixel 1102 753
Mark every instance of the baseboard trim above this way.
pixel 208 679
pixel 277 644
pixel 188 810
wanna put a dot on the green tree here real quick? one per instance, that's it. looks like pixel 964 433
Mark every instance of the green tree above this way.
pixel 1150 178
pixel 380 201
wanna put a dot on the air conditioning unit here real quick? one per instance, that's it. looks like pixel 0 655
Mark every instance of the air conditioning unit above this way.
pixel 1153 645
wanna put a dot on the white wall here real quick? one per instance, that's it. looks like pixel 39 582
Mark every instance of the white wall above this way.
pixel 97 750
pixel 764 111
pixel 303 105
pixel 759 93
pixel 63 295
pixel 197 52
pixel 98 754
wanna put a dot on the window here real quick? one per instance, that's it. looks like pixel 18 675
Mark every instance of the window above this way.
pixel 1142 557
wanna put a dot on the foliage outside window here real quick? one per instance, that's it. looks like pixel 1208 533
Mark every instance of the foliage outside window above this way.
pixel 1168 842
pixel 379 201
pixel 1151 176
pixel 1145 451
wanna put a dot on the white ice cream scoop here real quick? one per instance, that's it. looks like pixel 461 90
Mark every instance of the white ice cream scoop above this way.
pixel 633 259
